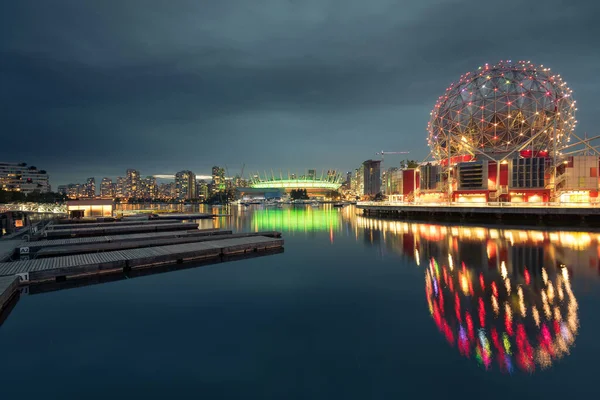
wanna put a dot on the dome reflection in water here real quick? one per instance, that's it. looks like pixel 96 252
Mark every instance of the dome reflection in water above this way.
pixel 525 319
pixel 501 297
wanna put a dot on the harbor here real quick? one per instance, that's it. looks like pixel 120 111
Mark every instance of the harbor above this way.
pixel 64 251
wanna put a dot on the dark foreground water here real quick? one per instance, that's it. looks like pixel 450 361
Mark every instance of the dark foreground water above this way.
pixel 355 308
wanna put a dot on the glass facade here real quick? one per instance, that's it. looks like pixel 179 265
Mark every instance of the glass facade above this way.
pixel 528 172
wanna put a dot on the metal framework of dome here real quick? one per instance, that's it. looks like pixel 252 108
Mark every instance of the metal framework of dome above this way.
pixel 502 108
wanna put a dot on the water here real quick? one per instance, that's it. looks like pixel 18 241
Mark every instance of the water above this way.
pixel 355 308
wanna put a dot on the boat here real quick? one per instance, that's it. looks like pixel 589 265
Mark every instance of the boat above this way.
pixel 339 205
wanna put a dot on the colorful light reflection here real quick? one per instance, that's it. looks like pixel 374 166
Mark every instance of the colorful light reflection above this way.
pixel 515 338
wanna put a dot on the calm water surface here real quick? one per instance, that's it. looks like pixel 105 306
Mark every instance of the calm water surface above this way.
pixel 355 308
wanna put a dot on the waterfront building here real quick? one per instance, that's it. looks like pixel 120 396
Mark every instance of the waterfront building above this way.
pixel 185 184
pixel 90 208
pixel 120 187
pixel 75 190
pixel 577 179
pixel 390 181
pixel 19 177
pixel 371 177
pixel 218 179
pixel 63 189
pixel 167 191
pixel 360 183
pixel 148 188
pixel 132 184
pixel 89 189
pixel 202 189
pixel 107 188
pixel 495 136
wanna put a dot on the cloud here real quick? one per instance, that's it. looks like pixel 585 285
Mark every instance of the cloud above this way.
pixel 173 85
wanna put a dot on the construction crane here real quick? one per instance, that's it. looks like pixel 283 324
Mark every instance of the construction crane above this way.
pixel 382 153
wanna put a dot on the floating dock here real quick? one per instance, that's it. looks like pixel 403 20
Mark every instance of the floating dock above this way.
pixel 60 268
pixel 93 250
pixel 179 216
pixel 490 213
pixel 7 248
pixel 31 248
pixel 109 228
pixel 9 286
pixel 115 244
pixel 86 225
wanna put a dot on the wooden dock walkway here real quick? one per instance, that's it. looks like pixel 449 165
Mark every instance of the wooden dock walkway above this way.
pixel 60 268
pixel 178 216
pixel 110 229
pixel 138 244
pixel 87 225
pixel 33 247
pixel 9 285
pixel 7 248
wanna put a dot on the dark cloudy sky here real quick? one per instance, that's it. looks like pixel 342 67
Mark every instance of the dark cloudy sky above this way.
pixel 89 88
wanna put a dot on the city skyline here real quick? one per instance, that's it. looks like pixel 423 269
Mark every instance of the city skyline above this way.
pixel 302 84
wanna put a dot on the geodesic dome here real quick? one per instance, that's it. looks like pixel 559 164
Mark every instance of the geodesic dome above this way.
pixel 500 108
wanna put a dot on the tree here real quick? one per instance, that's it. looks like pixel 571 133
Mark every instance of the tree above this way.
pixel 409 163
pixel 299 194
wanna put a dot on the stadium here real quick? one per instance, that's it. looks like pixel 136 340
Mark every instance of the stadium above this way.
pixel 272 186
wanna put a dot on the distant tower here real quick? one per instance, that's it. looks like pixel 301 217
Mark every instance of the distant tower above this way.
pixel 371 177
pixel 90 188
pixel 132 183
pixel 106 188
pixel 185 184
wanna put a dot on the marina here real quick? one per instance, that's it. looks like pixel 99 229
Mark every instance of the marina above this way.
pixel 9 285
pixel 30 271
pixel 31 248
pixel 110 229
pixel 117 248
pixel 70 224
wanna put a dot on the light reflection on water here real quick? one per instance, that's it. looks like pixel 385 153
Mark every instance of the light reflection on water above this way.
pixel 501 296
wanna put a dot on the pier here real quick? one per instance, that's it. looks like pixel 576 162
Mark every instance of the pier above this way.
pixel 100 249
pixel 542 214
pixel 60 268
pixel 110 228
pixel 9 286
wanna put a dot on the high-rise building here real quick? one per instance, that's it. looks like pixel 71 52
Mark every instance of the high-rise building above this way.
pixel 121 187
pixel 185 184
pixel 349 179
pixel 371 177
pixel 312 174
pixel 201 189
pixel 63 189
pixel 132 183
pixel 148 187
pixel 89 189
pixel 75 190
pixel 218 178
pixel 18 177
pixel 167 191
pixel 107 188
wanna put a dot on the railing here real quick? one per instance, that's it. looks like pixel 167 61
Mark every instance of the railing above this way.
pixel 489 204
pixel 50 208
